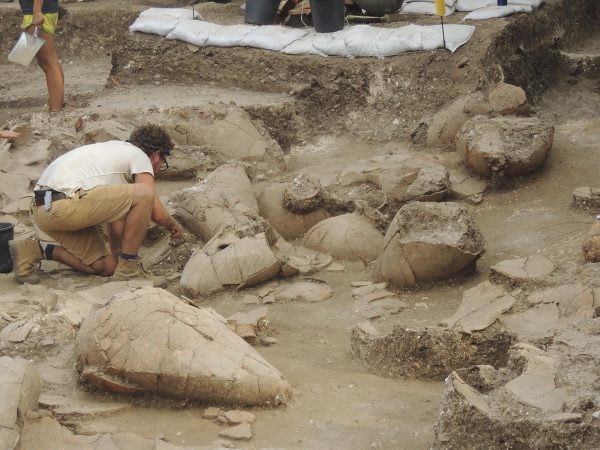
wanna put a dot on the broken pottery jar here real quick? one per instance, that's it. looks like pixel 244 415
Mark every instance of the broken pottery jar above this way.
pixel 224 201
pixel 289 224
pixel 229 261
pixel 542 400
pixel 501 100
pixel 504 146
pixel 349 236
pixel 151 341
pixel 429 242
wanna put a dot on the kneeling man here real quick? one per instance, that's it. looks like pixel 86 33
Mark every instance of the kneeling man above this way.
pixel 106 183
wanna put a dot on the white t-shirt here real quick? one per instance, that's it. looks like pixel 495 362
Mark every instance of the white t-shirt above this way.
pixel 103 164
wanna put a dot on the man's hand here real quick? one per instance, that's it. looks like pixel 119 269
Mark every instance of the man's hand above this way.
pixel 175 229
pixel 9 135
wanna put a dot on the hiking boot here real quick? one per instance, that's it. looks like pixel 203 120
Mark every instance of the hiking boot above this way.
pixel 26 256
pixel 131 269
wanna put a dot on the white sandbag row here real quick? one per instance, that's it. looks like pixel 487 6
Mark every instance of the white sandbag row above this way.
pixel 446 2
pixel 206 34
pixel 173 13
pixel 365 40
pixel 473 5
pixel 493 12
pixel 481 9
pixel 424 7
pixel 352 41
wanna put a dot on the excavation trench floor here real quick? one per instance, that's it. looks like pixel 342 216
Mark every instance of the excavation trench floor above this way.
pixel 337 404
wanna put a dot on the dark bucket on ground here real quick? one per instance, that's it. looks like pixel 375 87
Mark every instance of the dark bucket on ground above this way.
pixel 327 15
pixel 261 12
pixel 6 234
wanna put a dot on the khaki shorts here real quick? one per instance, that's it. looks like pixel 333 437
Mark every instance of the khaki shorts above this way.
pixel 74 222
pixel 49 25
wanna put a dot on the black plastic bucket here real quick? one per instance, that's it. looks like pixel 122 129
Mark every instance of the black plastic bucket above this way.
pixel 261 12
pixel 327 15
pixel 6 234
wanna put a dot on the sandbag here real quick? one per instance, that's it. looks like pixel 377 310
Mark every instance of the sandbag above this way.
pixel 491 12
pixel 355 40
pixel 473 5
pixel 446 2
pixel 176 13
pixel 272 37
pixel 423 7
pixel 229 35
pixel 160 25
pixel 193 31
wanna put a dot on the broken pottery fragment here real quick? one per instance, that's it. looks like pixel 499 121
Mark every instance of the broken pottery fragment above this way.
pixel 541 402
pixel 367 288
pixel 20 167
pixel 224 201
pixel 551 310
pixel 377 304
pixel 17 331
pixel 428 352
pixel 46 432
pixel 229 262
pixel 537 322
pixel 504 146
pixel 289 224
pixel 306 290
pixel 241 432
pixel 464 185
pixel 20 388
pixel 150 341
pixel 296 259
pixel 428 242
pixel 349 236
pixel 521 270
pixel 236 416
pixel 536 385
pixel 426 184
pixel 247 325
pixel 480 307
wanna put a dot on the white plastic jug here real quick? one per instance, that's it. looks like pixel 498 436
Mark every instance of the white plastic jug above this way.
pixel 26 48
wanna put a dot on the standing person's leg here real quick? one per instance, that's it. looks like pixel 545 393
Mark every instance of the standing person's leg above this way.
pixel 47 58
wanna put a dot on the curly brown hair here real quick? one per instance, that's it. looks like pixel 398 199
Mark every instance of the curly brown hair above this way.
pixel 152 138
